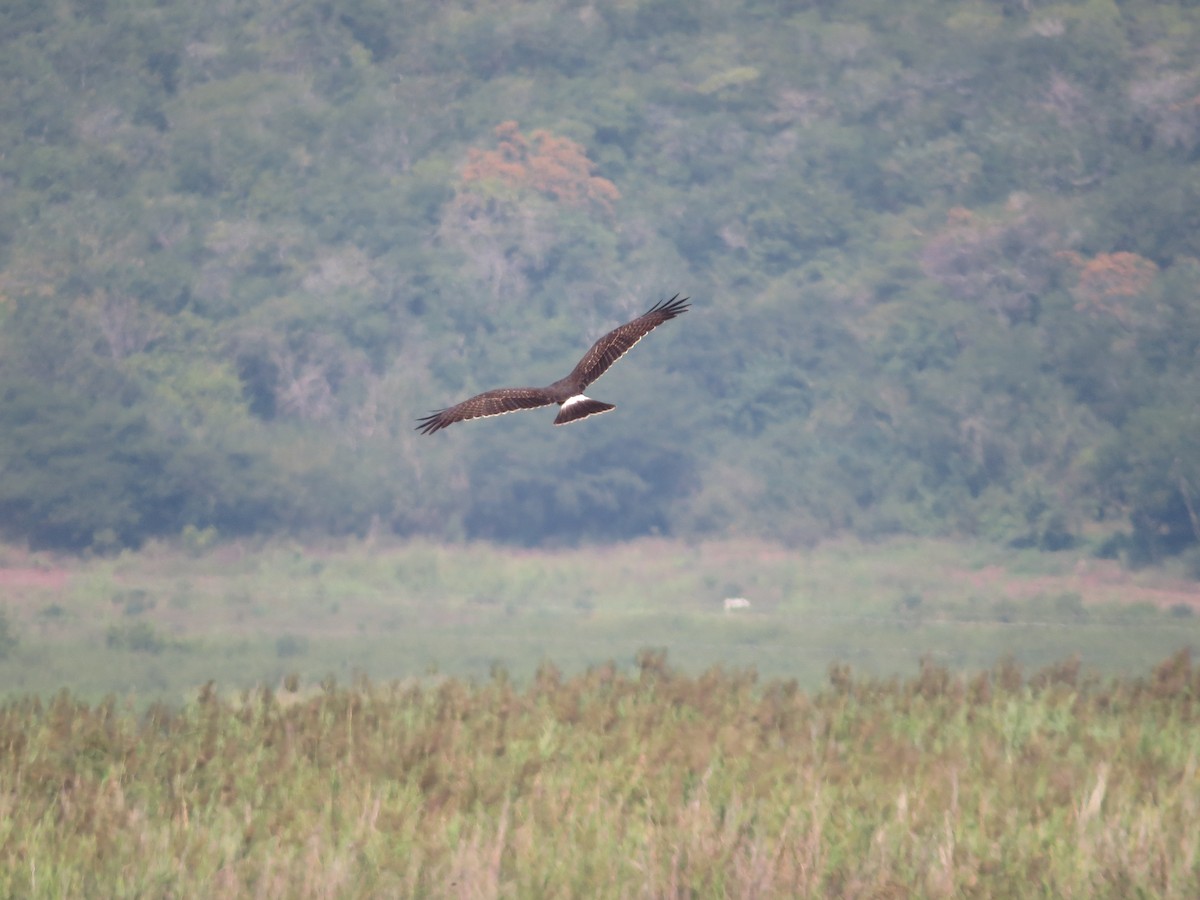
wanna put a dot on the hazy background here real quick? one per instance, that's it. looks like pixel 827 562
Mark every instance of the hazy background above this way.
pixel 943 260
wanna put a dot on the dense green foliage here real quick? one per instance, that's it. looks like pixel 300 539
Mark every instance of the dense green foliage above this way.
pixel 943 257
pixel 606 785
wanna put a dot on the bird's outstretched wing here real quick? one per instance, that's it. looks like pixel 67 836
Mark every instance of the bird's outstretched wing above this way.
pixel 489 403
pixel 619 341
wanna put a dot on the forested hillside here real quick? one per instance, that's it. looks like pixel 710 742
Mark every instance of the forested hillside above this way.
pixel 943 258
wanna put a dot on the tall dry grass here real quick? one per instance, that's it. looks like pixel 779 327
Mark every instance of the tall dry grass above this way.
pixel 650 784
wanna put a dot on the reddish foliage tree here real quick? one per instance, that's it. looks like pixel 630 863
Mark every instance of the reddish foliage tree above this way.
pixel 1109 282
pixel 554 166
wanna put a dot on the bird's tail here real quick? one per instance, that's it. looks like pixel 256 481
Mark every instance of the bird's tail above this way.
pixel 580 407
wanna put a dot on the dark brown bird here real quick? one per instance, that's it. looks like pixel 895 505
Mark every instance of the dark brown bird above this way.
pixel 566 392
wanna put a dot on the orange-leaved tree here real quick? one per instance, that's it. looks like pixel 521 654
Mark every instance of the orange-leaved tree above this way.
pixel 554 166
pixel 1111 283
pixel 519 200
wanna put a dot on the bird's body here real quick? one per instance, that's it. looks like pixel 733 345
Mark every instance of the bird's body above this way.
pixel 566 392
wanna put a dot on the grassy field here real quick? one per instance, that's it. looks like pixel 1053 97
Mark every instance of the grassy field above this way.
pixel 647 784
pixel 160 622
pixel 912 718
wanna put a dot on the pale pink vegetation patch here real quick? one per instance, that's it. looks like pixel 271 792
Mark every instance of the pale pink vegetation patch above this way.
pixel 1096 581
pixel 47 579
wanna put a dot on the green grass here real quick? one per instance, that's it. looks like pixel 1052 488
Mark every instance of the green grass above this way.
pixel 506 733
pixel 159 622
pixel 652 783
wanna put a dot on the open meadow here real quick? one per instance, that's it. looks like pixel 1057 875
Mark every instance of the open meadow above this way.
pixel 903 719
pixel 159 622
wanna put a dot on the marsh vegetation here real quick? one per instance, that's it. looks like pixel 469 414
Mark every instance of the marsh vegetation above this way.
pixel 649 783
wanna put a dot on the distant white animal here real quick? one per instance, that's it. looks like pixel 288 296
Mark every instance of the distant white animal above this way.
pixel 732 603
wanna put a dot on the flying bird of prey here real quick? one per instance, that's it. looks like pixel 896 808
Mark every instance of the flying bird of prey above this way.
pixel 566 392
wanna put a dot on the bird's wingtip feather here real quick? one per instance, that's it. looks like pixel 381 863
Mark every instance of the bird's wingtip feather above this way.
pixel 671 307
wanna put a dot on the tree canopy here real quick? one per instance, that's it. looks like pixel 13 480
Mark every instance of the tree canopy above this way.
pixel 942 256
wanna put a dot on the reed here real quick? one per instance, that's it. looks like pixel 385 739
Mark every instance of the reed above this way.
pixel 650 783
